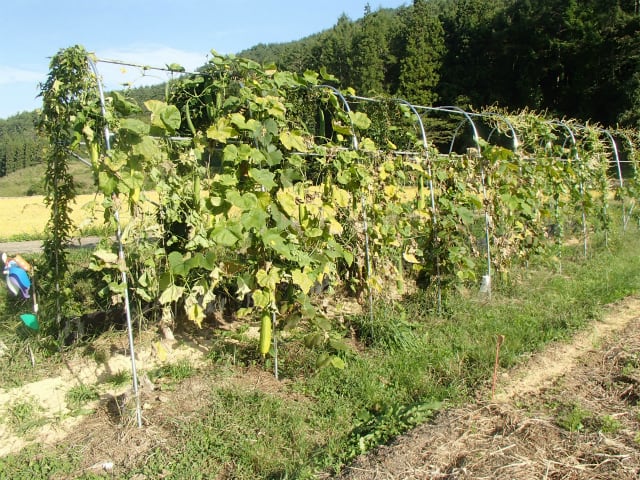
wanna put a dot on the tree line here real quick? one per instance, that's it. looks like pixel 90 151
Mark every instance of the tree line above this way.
pixel 20 144
pixel 571 58
pixel 574 58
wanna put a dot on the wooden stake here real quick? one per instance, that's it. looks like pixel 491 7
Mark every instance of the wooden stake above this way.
pixel 499 341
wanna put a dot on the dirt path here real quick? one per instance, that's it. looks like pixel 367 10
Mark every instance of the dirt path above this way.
pixel 34 246
pixel 53 415
pixel 570 413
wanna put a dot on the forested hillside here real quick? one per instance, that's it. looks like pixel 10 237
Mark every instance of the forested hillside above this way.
pixel 572 58
pixel 20 145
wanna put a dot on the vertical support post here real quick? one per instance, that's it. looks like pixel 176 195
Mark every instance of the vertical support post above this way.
pixel 365 220
pixel 116 214
pixel 434 213
pixel 487 218
pixel 275 345
pixel 620 179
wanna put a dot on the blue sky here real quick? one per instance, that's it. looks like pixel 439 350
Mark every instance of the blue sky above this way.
pixel 148 32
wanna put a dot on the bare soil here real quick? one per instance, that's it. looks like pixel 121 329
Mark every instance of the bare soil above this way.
pixel 570 412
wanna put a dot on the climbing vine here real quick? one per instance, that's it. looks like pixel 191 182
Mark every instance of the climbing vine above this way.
pixel 267 188
pixel 70 118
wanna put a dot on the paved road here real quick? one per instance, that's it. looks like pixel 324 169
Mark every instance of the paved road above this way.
pixel 34 246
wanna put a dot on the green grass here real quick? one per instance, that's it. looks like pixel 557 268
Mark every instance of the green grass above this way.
pixel 30 181
pixel 24 415
pixel 119 378
pixel 406 364
pixel 78 396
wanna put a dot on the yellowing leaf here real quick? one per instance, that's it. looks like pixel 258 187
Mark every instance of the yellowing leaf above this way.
pixel 287 201
pixel 360 120
pixel 335 228
pixel 195 313
pixel 221 131
pixel 172 294
pixel 302 280
pixel 390 190
pixel 106 257
pixel 293 141
pixel 367 145
pixel 268 279
pixel 341 197
pixel 161 351
pixel 410 257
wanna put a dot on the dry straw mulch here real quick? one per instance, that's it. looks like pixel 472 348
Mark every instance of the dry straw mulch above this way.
pixel 580 423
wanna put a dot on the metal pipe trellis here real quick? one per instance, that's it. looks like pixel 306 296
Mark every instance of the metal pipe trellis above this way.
pixel 615 150
pixel 116 215
pixel 365 221
pixel 434 213
pixel 514 135
pixel 487 220
pixel 619 167
pixel 633 162
pixel 576 157
pixel 425 145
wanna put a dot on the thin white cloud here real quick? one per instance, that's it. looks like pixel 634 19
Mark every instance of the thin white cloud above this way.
pixel 115 76
pixel 9 75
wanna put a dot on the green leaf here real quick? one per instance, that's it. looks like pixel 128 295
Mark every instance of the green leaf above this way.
pixel 170 117
pixel 255 219
pixel 337 362
pixel 175 67
pixel 324 360
pixel 311 76
pixel 163 116
pixel 263 177
pixel 272 239
pixel 245 202
pixel 224 236
pixel 313 232
pixel 115 160
pixel 314 339
pixel 196 261
pixel 174 259
pixel 122 105
pixel 177 264
pixel 261 299
pixel 340 128
pixel 274 156
pixel 147 148
pixel 465 215
pixel 137 127
pixel 107 183
pixel 238 120
pixel 326 76
pixel 360 120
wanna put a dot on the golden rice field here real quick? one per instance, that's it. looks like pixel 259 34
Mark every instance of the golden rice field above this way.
pixel 28 216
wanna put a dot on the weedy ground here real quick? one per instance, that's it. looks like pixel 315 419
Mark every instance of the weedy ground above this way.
pixel 220 412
